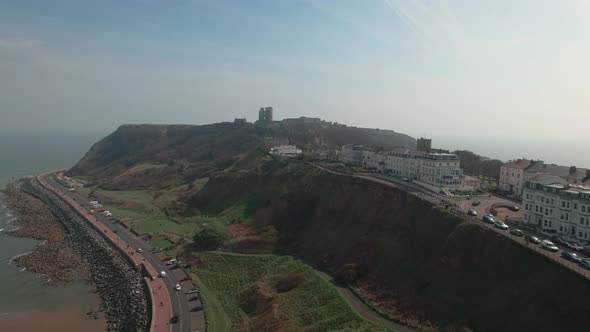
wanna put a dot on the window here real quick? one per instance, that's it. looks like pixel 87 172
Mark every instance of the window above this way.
pixel 562 204
pixel 575 206
pixel 583 208
pixel 579 234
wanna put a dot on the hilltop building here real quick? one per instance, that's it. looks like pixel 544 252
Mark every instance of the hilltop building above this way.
pixel 265 115
pixel 514 174
pixel 433 170
pixel 424 144
pixel 554 205
pixel 240 121
pixel 285 151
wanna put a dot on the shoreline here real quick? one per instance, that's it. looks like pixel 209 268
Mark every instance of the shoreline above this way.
pixel 53 258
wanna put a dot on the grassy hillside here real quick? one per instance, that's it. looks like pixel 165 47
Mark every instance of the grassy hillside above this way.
pixel 390 245
pixel 164 156
pixel 270 293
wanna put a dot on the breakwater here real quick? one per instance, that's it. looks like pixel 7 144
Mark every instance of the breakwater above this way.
pixel 118 282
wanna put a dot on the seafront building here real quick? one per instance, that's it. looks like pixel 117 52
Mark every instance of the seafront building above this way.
pixel 554 205
pixel 433 170
pixel 514 174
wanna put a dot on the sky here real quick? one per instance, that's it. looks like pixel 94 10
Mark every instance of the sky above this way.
pixel 494 72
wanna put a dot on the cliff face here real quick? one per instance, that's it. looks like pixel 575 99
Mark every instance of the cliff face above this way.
pixel 433 266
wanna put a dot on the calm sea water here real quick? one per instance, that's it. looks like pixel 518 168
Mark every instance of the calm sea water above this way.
pixel 30 155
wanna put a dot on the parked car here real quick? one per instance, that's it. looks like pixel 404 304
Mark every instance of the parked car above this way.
pixel 475 203
pixel 194 298
pixel 185 279
pixel 501 225
pixel 585 263
pixel 472 213
pixel 573 245
pixel 557 239
pixel 177 287
pixel 516 232
pixel 197 308
pixel 532 238
pixel 514 208
pixel 548 245
pixel 192 291
pixel 174 267
pixel 571 256
pixel 488 219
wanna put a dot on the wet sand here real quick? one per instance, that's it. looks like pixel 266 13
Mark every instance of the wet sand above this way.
pixel 58 321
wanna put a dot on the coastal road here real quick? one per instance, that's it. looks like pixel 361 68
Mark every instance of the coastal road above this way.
pixel 188 321
pixel 166 302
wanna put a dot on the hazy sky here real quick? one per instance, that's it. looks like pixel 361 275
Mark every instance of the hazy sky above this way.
pixel 447 69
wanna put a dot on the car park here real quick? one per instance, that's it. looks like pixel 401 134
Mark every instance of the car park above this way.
pixel 472 213
pixel 532 238
pixel 548 245
pixel 501 225
pixel 516 232
pixel 571 256
pixel 585 263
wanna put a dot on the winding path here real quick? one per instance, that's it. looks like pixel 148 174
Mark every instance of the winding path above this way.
pixel 347 295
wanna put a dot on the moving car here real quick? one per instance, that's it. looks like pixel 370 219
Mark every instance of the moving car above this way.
pixel 177 287
pixel 488 219
pixel 163 274
pixel 475 203
pixel 501 225
pixel 472 213
pixel 571 256
pixel 174 320
pixel 516 232
pixel 514 208
pixel 532 238
pixel 548 245
pixel 585 263
pixel 139 250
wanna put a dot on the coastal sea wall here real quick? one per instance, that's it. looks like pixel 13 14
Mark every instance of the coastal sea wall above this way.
pixel 118 282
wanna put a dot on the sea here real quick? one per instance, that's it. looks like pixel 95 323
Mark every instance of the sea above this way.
pixel 23 291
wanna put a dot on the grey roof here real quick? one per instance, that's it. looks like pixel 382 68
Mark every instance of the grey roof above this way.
pixel 547 179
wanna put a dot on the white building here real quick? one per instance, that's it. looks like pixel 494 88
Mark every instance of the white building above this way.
pixel 435 170
pixel 512 176
pixel 553 204
pixel 285 151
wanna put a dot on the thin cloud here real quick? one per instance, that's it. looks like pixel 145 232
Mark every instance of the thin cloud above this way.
pixel 19 43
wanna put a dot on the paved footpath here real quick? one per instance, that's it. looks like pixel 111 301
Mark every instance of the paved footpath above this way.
pixel 160 298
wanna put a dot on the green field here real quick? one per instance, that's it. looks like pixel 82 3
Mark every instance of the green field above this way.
pixel 144 212
pixel 314 305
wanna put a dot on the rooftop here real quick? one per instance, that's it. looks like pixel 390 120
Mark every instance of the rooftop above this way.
pixel 522 164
